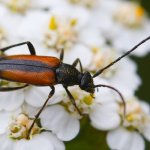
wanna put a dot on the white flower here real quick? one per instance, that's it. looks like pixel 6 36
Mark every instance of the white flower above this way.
pixel 56 118
pixel 123 139
pixel 135 27
pixel 103 112
pixel 17 5
pixel 123 24
pixel 85 3
pixel 57 28
pixel 8 26
pixel 32 95
pixel 136 124
pixel 126 71
pixel 14 130
pixel 131 28
pixel 119 75
pixel 23 6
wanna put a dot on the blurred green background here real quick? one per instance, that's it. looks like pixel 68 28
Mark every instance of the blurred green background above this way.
pixel 92 139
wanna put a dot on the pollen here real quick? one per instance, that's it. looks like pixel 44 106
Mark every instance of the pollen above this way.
pixel 88 100
pixel 73 22
pixel 102 57
pixel 83 100
pixel 61 33
pixel 95 49
pixel 53 23
pixel 139 12
pixel 130 15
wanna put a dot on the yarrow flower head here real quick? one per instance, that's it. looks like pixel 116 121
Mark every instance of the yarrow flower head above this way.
pixel 101 58
pixel 96 108
pixel 136 117
pixel 14 131
pixel 131 25
pixel 3 37
pixel 90 27
pixel 57 29
pixel 136 122
pixel 85 3
pixel 130 14
pixel 17 5
pixel 83 100
pixel 19 127
pixel 61 33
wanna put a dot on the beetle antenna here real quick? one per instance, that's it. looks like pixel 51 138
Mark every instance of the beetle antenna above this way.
pixel 121 96
pixel 119 58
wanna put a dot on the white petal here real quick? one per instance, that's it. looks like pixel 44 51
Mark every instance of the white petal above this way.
pixel 79 51
pixel 38 142
pixel 146 132
pixel 81 15
pixel 55 118
pixel 48 3
pixel 29 110
pixel 4 121
pixel 3 11
pixel 36 96
pixel 6 143
pixel 105 117
pixel 58 145
pixel 91 37
pixel 58 96
pixel 6 118
pixel 123 139
pixel 145 107
pixel 26 31
pixel 126 70
pixel 11 100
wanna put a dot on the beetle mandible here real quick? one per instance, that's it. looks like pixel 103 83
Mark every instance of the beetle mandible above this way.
pixel 49 71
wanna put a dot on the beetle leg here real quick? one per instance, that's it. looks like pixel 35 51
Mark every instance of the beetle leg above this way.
pixel 76 62
pixel 29 44
pixel 7 89
pixel 62 55
pixel 72 100
pixel 40 111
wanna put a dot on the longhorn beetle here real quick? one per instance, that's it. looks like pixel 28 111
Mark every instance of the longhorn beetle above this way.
pixel 49 71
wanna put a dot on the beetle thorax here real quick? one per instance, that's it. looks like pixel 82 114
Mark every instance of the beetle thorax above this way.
pixel 68 75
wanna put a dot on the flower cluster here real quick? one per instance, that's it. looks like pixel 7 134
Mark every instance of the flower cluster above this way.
pixel 95 31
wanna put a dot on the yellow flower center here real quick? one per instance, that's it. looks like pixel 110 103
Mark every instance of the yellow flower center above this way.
pixel 102 58
pixel 139 12
pixel 52 23
pixel 83 100
pixel 19 128
pixel 18 5
pixel 135 118
pixel 130 15
pixel 61 33
pixel 85 3
pixel 3 37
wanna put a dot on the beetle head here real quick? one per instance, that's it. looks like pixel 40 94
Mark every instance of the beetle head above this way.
pixel 87 83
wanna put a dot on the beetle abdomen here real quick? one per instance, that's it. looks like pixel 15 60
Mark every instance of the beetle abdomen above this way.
pixel 36 70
